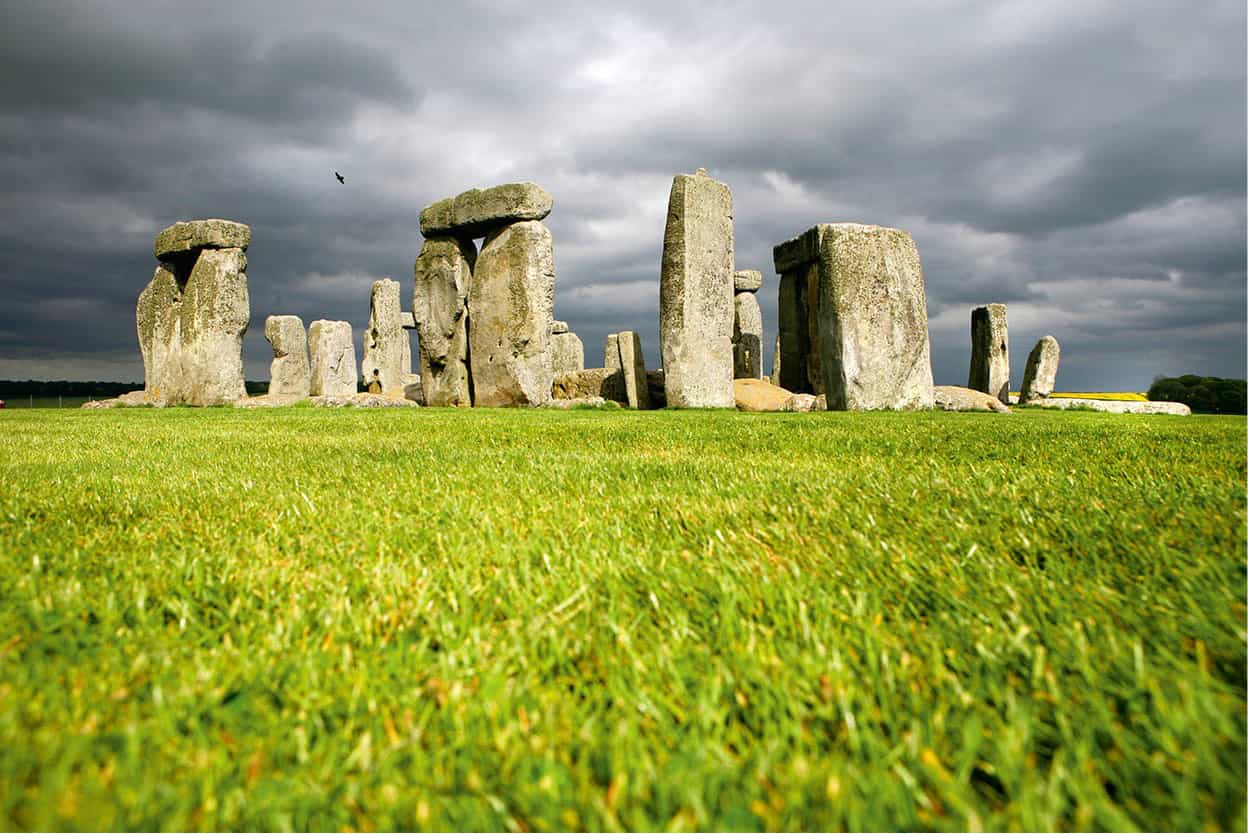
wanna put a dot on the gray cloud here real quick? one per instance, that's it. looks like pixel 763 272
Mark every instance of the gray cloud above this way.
pixel 1085 165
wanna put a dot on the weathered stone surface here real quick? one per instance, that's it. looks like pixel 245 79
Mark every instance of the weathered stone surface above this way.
pixel 990 352
pixel 798 348
pixel 607 383
pixel 801 403
pixel 633 366
pixel 290 374
pixel 821 402
pixel 187 236
pixel 567 353
pixel 158 316
pixel 511 307
pixel 216 310
pixel 611 352
pixel 799 251
pixel 1115 406
pixel 130 399
pixel 414 390
pixel 1040 376
pixel 477 212
pixel 408 320
pixel 440 308
pixel 387 348
pixel 270 401
pixel 747 337
pixel 557 327
pixel 332 351
pixel 872 319
pixel 695 294
pixel 759 395
pixel 747 280
pixel 956 398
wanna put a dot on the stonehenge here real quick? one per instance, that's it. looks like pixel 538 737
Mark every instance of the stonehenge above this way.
pixel 696 294
pixel 387 348
pixel 852 321
pixel 990 352
pixel 192 315
pixel 853 313
pixel 747 326
pixel 1040 375
pixel 332 351
pixel 290 375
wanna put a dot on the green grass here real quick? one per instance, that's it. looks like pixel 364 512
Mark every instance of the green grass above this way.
pixel 376 619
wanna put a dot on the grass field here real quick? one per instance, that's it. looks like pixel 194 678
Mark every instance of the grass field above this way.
pixel 303 618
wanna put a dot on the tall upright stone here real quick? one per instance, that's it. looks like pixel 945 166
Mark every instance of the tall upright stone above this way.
pixel 696 294
pixel 159 324
pixel 990 352
pixel 387 348
pixel 511 309
pixel 611 352
pixel 633 365
pixel 872 319
pixel 290 374
pixel 332 351
pixel 801 363
pixel 192 316
pixel 216 310
pixel 440 307
pixel 775 363
pixel 1040 376
pixel 747 337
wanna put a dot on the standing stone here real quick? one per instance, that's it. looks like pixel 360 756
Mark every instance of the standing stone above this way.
pixel 990 352
pixel 747 337
pixel 801 362
pixel 158 318
pixel 332 348
pixel 696 292
pixel 290 374
pixel 567 352
pixel 440 308
pixel 511 308
pixel 634 368
pixel 1040 376
pixel 872 319
pixel 775 363
pixel 611 352
pixel 387 348
pixel 216 310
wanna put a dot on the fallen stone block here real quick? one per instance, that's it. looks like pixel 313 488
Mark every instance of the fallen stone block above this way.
pixel 956 398
pixel 592 382
pixel 1114 406
pixel 759 395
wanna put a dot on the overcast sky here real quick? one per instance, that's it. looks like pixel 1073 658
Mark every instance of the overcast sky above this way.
pixel 1084 163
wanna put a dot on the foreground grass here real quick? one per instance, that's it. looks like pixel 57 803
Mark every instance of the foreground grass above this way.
pixel 515 620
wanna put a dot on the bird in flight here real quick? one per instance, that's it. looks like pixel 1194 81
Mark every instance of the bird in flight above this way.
pixel 340 177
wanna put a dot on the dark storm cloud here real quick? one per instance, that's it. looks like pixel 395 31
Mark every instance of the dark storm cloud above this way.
pixel 1083 164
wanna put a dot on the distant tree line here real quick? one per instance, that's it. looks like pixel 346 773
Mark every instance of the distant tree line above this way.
pixel 1208 394
pixel 12 389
